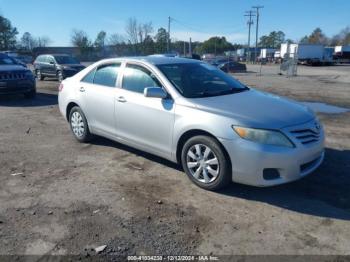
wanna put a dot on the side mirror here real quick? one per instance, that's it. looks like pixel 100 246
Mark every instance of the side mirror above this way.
pixel 156 92
pixel 51 62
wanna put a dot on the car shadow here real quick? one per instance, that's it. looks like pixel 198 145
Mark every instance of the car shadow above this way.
pixel 101 141
pixel 41 99
pixel 324 193
pixel 328 186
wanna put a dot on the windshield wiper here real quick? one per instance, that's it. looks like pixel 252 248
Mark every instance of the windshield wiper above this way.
pixel 206 93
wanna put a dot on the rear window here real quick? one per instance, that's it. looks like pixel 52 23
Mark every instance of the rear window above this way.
pixel 107 75
pixel 66 60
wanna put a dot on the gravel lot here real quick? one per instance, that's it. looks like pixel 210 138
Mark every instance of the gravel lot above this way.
pixel 68 198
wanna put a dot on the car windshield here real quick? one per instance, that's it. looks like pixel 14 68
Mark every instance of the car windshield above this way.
pixel 6 60
pixel 66 60
pixel 200 80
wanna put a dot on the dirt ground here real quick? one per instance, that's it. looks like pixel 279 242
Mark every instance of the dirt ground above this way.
pixel 68 198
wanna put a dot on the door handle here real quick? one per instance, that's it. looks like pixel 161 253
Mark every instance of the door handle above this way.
pixel 121 99
pixel 82 89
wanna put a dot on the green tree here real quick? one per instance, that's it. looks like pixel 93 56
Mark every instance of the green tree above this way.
pixel 342 38
pixel 7 34
pixel 318 37
pixel 215 45
pixel 27 41
pixel 100 40
pixel 273 40
pixel 148 45
pixel 161 39
pixel 304 40
pixel 80 39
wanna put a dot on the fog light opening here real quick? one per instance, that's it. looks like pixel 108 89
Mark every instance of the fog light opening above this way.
pixel 271 174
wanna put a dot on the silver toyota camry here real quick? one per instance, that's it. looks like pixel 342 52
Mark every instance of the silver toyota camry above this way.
pixel 191 113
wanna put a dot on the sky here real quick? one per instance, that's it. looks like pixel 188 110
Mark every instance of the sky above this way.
pixel 198 19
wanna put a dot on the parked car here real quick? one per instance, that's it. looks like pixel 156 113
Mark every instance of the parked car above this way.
pixel 59 66
pixel 15 79
pixel 232 67
pixel 194 114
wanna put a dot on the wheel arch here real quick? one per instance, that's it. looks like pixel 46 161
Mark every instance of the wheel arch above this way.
pixel 69 108
pixel 197 132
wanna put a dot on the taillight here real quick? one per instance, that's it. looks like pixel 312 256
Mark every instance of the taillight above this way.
pixel 60 88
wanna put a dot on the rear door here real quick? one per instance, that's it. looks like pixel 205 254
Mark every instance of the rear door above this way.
pixel 43 65
pixel 97 97
pixel 51 66
pixel 143 121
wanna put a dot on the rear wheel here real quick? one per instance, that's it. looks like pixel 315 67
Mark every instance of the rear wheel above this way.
pixel 79 125
pixel 205 163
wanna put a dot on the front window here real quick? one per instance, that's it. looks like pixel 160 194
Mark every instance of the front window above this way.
pixel 200 80
pixel 137 78
pixel 66 60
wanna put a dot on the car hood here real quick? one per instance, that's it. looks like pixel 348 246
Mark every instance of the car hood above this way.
pixel 257 109
pixel 11 68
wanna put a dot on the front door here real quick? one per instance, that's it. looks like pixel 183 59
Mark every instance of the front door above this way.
pixel 143 121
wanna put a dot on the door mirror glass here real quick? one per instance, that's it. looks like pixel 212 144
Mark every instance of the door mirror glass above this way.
pixel 156 92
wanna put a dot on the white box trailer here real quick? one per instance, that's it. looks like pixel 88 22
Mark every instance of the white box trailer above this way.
pixel 342 48
pixel 305 53
pixel 267 53
pixel 342 54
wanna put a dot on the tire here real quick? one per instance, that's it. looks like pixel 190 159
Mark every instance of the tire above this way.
pixel 210 171
pixel 30 95
pixel 60 76
pixel 39 76
pixel 79 125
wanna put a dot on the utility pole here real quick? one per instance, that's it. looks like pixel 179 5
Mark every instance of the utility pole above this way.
pixel 184 48
pixel 250 14
pixel 257 28
pixel 215 46
pixel 190 48
pixel 168 45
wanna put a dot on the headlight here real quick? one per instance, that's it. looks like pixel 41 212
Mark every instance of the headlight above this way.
pixel 268 137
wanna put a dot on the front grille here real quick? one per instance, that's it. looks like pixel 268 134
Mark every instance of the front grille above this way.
pixel 306 136
pixel 12 76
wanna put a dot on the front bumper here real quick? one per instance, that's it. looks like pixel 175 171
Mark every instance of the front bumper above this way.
pixel 249 160
pixel 17 87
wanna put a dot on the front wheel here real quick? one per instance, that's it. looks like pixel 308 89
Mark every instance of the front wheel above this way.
pixel 79 125
pixel 60 76
pixel 39 76
pixel 205 163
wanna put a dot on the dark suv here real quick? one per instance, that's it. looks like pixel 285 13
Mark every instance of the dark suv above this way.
pixel 58 66
pixel 15 79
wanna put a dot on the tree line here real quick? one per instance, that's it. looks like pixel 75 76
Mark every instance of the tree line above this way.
pixel 276 38
pixel 140 38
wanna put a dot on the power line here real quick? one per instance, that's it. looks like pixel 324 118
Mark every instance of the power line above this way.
pixel 257 28
pixel 188 26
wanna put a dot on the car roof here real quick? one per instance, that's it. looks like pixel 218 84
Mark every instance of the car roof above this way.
pixel 156 60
